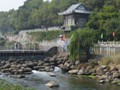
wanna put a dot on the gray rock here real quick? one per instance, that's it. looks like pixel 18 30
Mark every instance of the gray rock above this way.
pixel 46 64
pixel 65 68
pixel 77 62
pixel 116 74
pixel 52 84
pixel 73 72
pixel 102 81
pixel 47 69
pixel 103 66
pixel 81 72
pixel 18 76
pixel 52 74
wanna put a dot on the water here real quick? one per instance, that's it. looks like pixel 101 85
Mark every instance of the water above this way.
pixel 38 80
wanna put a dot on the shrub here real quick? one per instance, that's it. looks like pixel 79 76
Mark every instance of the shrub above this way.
pixel 116 59
pixel 4 85
pixel 105 60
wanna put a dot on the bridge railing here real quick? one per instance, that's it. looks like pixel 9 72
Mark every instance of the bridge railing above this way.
pixel 31 46
pixel 107 48
pixel 36 46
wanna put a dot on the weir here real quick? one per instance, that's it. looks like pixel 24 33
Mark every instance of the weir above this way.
pixel 28 51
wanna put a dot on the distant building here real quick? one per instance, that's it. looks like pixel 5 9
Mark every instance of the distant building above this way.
pixel 75 16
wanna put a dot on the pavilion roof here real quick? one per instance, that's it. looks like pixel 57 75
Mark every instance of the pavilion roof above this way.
pixel 75 8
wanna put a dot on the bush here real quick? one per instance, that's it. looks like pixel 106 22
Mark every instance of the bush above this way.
pixel 2 41
pixel 116 59
pixel 81 42
pixel 45 35
pixel 93 63
pixel 106 60
pixel 4 85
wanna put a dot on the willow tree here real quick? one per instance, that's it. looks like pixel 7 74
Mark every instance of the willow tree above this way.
pixel 81 42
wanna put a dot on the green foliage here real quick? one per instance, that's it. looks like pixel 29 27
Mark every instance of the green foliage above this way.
pixel 106 20
pixel 4 85
pixel 36 13
pixel 105 60
pixel 45 35
pixel 2 41
pixel 116 59
pixel 81 42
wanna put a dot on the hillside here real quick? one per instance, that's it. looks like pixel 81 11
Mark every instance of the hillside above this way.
pixel 36 14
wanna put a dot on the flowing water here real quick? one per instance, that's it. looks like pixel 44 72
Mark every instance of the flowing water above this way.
pixel 37 80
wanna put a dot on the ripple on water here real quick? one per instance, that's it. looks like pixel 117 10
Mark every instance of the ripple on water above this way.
pixel 66 82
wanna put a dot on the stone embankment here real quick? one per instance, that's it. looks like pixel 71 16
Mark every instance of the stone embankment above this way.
pixel 104 73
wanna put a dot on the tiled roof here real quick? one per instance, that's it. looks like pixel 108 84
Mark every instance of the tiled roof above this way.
pixel 73 8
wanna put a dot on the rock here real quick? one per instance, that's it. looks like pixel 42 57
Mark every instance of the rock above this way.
pixel 52 59
pixel 27 70
pixel 20 71
pixel 103 77
pixel 46 61
pixel 65 68
pixel 30 64
pixel 52 84
pixel 116 74
pixel 77 62
pixel 19 66
pixel 72 67
pixel 40 63
pixel 115 81
pixel 99 71
pixel 5 70
pixel 18 76
pixel 46 64
pixel 103 66
pixel 114 68
pixel 108 73
pixel 13 66
pixel 59 62
pixel 7 66
pixel 47 69
pixel 35 63
pixel 81 72
pixel 3 63
pixel 24 65
pixel 73 72
pixel 52 74
pixel 102 81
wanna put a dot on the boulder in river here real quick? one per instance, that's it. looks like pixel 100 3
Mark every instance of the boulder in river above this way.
pixel 52 74
pixel 73 71
pixel 52 84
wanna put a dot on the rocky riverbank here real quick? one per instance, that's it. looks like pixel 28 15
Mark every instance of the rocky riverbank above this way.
pixel 104 73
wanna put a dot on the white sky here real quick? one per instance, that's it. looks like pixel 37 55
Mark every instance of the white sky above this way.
pixel 6 5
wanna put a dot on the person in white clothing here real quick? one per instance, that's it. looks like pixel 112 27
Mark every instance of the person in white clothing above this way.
pixel 62 44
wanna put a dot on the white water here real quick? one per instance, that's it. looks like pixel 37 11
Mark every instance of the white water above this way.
pixel 57 69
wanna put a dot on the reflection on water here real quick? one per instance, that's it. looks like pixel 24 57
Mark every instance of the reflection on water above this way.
pixel 38 80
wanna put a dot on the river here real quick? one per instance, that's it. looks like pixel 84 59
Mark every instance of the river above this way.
pixel 37 80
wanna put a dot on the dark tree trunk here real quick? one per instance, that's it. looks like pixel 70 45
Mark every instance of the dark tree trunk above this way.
pixel 87 53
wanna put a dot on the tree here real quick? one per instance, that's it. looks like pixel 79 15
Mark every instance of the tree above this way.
pixel 81 42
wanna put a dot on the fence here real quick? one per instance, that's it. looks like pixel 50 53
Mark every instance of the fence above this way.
pixel 107 48
pixel 27 46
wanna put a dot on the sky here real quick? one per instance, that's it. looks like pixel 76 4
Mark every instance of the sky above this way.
pixel 6 5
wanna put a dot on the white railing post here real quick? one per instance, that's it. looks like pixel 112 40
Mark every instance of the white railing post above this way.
pixel 34 47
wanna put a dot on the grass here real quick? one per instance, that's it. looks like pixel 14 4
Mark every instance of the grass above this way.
pixel 48 35
pixel 45 35
pixel 116 59
pixel 106 60
pixel 4 85
pixel 110 59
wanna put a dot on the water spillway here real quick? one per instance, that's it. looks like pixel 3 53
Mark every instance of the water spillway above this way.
pixel 38 79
